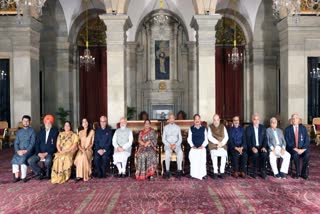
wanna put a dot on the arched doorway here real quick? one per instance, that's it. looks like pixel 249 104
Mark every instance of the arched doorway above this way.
pixel 229 78
pixel 93 83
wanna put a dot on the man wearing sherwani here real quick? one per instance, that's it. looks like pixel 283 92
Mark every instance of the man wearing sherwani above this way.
pixel 102 148
pixel 23 148
pixel 122 143
pixel 45 147
pixel 198 140
pixel 218 138
pixel 172 140
pixel 277 147
pixel 298 142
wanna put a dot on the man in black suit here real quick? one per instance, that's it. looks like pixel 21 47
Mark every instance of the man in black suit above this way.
pixel 256 140
pixel 298 142
pixel 102 148
pixel 44 149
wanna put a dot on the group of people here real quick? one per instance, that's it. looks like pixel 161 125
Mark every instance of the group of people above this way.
pixel 65 152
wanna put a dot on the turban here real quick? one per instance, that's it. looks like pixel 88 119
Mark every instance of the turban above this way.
pixel 48 117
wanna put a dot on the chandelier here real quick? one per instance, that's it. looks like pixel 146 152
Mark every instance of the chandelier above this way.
pixel 235 57
pixel 293 7
pixel 3 75
pixel 161 18
pixel 315 73
pixel 87 60
pixel 20 6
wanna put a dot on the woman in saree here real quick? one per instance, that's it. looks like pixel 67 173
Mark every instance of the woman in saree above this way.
pixel 63 159
pixel 84 156
pixel 146 155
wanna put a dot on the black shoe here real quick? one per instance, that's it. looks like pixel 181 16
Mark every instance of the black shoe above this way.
pixel 24 180
pixel 283 175
pixel 305 177
pixel 15 180
pixel 179 173
pixel 41 177
pixel 223 175
pixel 214 176
pixel 123 175
pixel 264 175
pixel 297 176
pixel 168 175
pixel 77 180
pixel 205 177
pixel 188 176
pixel 278 176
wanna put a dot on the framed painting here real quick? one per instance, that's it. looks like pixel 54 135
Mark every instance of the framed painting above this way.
pixel 162 59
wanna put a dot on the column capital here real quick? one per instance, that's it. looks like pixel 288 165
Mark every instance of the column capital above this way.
pixel 116 21
pixel 205 22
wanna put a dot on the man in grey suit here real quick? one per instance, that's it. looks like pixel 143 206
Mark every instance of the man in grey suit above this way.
pixel 277 147
pixel 172 139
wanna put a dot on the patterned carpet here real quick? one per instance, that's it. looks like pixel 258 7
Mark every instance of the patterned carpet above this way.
pixel 126 195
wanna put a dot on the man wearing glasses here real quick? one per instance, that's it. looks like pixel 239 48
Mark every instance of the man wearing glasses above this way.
pixel 102 148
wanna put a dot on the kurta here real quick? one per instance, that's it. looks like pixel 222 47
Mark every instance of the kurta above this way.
pixel 197 137
pixel 123 137
pixel 25 140
pixel 83 159
pixel 62 163
pixel 147 161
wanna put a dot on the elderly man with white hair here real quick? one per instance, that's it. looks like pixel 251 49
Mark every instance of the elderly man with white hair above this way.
pixel 277 148
pixel 122 143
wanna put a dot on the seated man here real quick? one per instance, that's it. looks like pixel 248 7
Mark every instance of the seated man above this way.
pixel 172 140
pixel 46 146
pixel 198 140
pixel 102 148
pixel 277 146
pixel 23 147
pixel 238 148
pixel 297 139
pixel 122 143
pixel 218 138
pixel 257 145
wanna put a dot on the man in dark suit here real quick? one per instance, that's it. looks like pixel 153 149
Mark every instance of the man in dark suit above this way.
pixel 256 140
pixel 44 149
pixel 102 148
pixel 297 139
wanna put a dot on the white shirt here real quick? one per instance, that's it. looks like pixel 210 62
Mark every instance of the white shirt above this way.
pixel 256 133
pixel 205 142
pixel 47 134
pixel 276 136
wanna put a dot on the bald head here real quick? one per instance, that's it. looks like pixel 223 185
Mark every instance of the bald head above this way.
pixel 103 122
pixel 171 118
pixel 255 119
pixel 216 120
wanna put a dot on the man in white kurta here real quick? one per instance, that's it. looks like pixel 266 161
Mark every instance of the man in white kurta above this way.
pixel 197 139
pixel 122 143
pixel 218 138
pixel 172 140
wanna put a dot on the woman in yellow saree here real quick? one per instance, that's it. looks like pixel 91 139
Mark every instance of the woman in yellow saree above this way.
pixel 63 160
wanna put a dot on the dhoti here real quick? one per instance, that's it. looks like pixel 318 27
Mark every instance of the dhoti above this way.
pixel 120 160
pixel 198 161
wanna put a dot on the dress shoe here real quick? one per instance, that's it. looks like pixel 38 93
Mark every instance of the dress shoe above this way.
pixel 254 175
pixel 223 175
pixel 15 180
pixel 24 180
pixel 305 177
pixel 283 175
pixel 235 174
pixel 242 174
pixel 179 174
pixel 123 175
pixel 297 176
pixel 214 176
pixel 205 177
pixel 77 180
pixel 278 176
pixel 168 175
pixel 264 175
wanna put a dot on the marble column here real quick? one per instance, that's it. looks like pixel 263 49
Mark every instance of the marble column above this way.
pixel 24 69
pixel 205 28
pixel 298 41
pixel 116 64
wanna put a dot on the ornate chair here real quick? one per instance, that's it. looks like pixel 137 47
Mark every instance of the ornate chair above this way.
pixel 316 129
pixel 3 132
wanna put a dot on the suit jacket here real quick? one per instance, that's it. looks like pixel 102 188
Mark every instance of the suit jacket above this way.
pixel 49 146
pixel 251 138
pixel 272 142
pixel 231 143
pixel 103 140
pixel 303 138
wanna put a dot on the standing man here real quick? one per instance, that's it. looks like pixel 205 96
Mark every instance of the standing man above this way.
pixel 23 148
pixel 198 140
pixel 172 140
pixel 238 148
pixel 46 146
pixel 122 143
pixel 297 139
pixel 102 148
pixel 257 145
pixel 218 138
pixel 277 146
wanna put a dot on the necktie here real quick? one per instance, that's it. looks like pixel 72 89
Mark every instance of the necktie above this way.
pixel 296 136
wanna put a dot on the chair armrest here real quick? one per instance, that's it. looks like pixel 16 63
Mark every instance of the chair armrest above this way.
pixel 12 130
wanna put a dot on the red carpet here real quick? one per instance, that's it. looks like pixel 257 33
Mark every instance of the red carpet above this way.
pixel 116 195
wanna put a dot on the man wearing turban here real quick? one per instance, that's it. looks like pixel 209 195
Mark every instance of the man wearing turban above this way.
pixel 44 149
